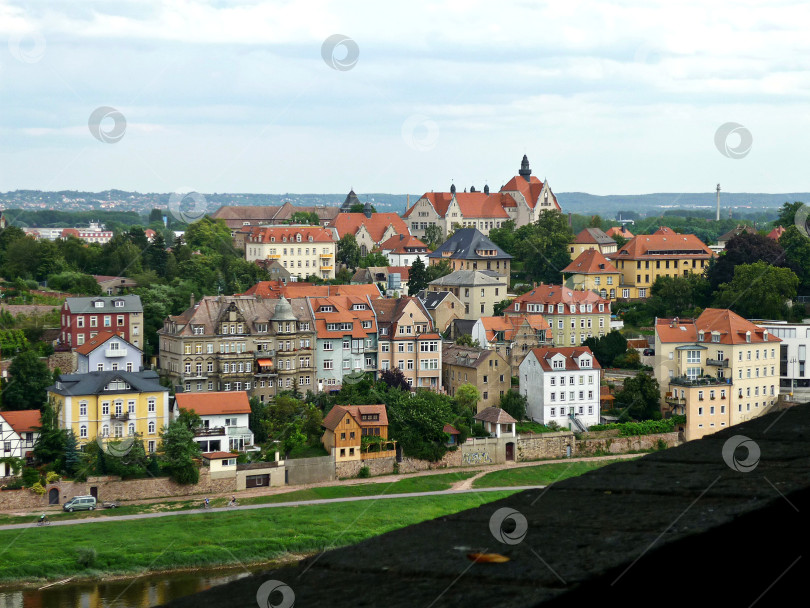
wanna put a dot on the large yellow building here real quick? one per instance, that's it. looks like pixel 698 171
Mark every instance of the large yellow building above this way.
pixel 718 370
pixel 302 250
pixel 112 404
pixel 663 253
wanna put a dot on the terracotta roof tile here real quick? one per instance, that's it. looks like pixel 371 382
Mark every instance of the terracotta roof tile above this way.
pixel 591 261
pixel 571 354
pixel 338 412
pixel 211 404
pixel 22 421
pixel 377 224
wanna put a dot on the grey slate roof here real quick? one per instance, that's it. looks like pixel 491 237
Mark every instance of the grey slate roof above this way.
pixel 465 356
pixel 431 299
pixel 469 278
pixel 494 414
pixel 463 246
pixel 87 305
pixel 93 383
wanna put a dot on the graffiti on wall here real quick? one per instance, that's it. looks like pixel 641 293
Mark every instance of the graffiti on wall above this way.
pixel 477 458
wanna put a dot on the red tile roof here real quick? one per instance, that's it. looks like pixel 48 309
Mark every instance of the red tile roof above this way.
pixel 776 233
pixel 276 289
pixel 511 324
pixel 94 343
pixel 591 261
pixel 377 224
pixel 557 294
pixel 664 243
pixel 400 243
pixel 619 231
pixel 343 313
pixel 211 404
pixel 217 455
pixel 23 421
pixel 530 190
pixel 732 329
pixel 264 234
pixel 337 413
pixel 571 354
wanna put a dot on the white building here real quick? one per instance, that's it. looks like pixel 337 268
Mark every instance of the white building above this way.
pixel 561 385
pixel 108 351
pixel 794 375
pixel 224 419
pixel 403 249
pixel 18 434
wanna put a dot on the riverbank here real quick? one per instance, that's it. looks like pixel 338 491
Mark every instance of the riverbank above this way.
pixel 210 539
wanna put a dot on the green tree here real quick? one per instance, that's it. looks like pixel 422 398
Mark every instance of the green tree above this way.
pixel 417 277
pixel 360 208
pixel 437 271
pixel 678 296
pixel 72 457
pixel 787 214
pixel 607 348
pixel 74 282
pixel 745 248
pixel 433 236
pixel 257 420
pixel 178 450
pixel 394 378
pixel 52 441
pixel 348 251
pixel 499 307
pixel 505 236
pixel 467 340
pixel 29 378
pixel 543 247
pixel 514 404
pixel 467 396
pixel 759 290
pixel 797 253
pixel 639 398
pixel 374 258
pixel 305 217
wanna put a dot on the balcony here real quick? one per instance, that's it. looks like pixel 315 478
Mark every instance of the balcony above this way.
pixel 326 268
pixel 262 354
pixel 122 417
pixel 701 381
pixel 115 352
pixel 717 362
pixel 273 256
pixel 209 432
pixel 325 255
pixel 673 399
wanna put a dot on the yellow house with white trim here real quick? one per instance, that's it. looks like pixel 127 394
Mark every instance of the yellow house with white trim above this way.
pixel 113 405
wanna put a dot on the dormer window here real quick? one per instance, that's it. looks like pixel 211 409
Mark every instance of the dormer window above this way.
pixel 358 307
pixel 327 308
pixel 119 303
pixel 748 336
pixel 765 335
pixel 585 362
pixel 98 304
pixel 298 238
pixel 700 336
pixel 310 238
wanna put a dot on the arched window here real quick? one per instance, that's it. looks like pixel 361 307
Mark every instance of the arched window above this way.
pixel 105 430
pixel 83 431
pixel 151 428
pixel 82 408
pixel 131 428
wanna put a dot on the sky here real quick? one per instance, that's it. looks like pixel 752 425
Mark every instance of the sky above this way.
pixel 623 97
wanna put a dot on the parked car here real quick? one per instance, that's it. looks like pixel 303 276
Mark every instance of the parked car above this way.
pixel 109 504
pixel 80 503
pixel 649 351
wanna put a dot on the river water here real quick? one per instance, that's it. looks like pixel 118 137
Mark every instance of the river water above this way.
pixel 141 592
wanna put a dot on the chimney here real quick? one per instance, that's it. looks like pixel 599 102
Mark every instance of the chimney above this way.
pixel 192 299
pixel 401 237
pixel 570 219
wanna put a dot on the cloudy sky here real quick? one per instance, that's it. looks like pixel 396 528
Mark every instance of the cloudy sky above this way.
pixel 226 96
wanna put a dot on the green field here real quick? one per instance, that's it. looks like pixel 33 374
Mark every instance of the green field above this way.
pixel 211 539
pixel 424 483
pixel 541 475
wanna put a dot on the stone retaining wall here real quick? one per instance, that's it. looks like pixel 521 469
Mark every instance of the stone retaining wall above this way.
pixel 622 445
pixel 543 446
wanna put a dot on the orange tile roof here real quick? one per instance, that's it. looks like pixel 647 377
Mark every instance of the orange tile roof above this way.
pixel 276 289
pixel 663 243
pixel 377 224
pixel 211 404
pixel 591 261
pixel 593 236
pixel 776 233
pixel 93 343
pixel 732 329
pixel 264 234
pixel 343 313
pixel 530 190
pixel 23 421
pixel 473 205
pixel 619 231
pixel 570 353
pixel 400 243
pixel 511 324
pixel 217 455
pixel 337 413
pixel 558 294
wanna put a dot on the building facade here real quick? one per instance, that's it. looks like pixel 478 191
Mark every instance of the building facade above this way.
pixel 369 229
pixel 346 425
pixel 19 431
pixel 561 385
pixel 794 375
pixel 469 249
pixel 302 250
pixel 574 316
pixel 240 343
pixel 512 336
pixel 592 238
pixel 443 306
pixel 83 319
pixel 346 338
pixel 592 271
pixel 408 341
pixel 663 253
pixel 239 217
pixel 403 250
pixel 718 370
pixel 479 291
pixel 224 417
pixel 485 369
pixel 521 200
pixel 108 351
pixel 112 405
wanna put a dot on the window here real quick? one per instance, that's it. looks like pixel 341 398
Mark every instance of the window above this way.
pixel 327 345
pixel 327 364
pixel 83 431
pixel 83 408
pixel 693 356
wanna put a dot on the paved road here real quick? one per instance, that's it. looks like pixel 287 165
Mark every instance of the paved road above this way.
pixel 298 503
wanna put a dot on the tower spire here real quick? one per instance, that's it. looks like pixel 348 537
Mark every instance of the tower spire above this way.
pixel 525 171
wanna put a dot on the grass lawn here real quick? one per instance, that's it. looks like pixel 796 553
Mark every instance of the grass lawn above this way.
pixel 211 539
pixel 425 483
pixel 535 427
pixel 541 475
pixel 308 451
